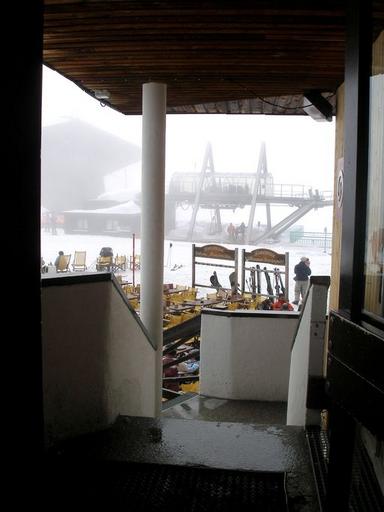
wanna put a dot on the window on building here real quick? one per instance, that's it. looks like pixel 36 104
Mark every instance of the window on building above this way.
pixel 82 224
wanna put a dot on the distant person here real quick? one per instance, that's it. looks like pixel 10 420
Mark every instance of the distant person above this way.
pixel 215 281
pixel 46 222
pixel 57 260
pixel 106 251
pixel 52 222
pixel 302 272
pixel 231 232
pixel 105 262
pixel 282 304
pixel 213 228
pixel 240 232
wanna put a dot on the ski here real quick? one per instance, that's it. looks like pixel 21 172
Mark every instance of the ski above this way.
pixel 282 287
pixel 258 278
pixel 253 281
pixel 268 280
pixel 168 265
pixel 277 281
pixel 235 288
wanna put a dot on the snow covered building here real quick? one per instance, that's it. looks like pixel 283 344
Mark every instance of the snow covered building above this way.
pixel 121 220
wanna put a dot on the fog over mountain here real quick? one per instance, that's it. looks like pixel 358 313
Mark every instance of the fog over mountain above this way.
pixel 75 159
pixel 90 151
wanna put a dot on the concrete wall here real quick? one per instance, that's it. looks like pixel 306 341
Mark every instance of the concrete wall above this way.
pixel 246 355
pixel 97 360
pixel 308 353
pixel 298 380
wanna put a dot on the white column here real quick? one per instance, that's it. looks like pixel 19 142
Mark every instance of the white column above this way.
pixel 152 221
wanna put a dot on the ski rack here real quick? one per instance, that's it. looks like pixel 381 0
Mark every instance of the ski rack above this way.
pixel 213 252
pixel 266 256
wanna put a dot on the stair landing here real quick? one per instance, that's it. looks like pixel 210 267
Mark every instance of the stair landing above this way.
pixel 207 444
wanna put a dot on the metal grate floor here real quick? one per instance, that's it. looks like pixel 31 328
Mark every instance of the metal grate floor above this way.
pixel 153 487
pixel 319 450
pixel 365 493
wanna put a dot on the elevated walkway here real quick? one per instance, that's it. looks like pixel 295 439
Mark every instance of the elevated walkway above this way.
pixel 234 190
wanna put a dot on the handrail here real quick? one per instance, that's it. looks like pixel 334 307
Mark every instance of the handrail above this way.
pixel 313 280
pixel 136 317
pixel 243 183
pixel 306 374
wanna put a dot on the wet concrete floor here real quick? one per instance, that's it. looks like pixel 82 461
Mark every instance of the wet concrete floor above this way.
pixel 200 407
pixel 215 444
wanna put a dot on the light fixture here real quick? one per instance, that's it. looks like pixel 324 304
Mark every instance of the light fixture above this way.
pixel 102 94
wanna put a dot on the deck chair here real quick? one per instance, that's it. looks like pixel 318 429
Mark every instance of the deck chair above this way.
pixel 79 261
pixel 63 265
pixel 120 262
pixel 104 263
pixel 134 263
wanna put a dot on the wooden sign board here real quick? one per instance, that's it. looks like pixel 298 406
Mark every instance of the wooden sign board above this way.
pixel 215 251
pixel 266 256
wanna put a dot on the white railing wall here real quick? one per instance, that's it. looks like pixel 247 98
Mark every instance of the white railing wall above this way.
pixel 308 354
pixel 97 360
pixel 245 355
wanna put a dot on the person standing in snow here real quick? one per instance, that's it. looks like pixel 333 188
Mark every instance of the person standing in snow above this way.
pixel 58 259
pixel 231 230
pixel 240 232
pixel 302 272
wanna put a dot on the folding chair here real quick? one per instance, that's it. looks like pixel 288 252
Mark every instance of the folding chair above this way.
pixel 120 262
pixel 79 261
pixel 63 265
pixel 104 263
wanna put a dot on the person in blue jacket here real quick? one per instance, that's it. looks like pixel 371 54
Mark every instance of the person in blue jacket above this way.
pixel 302 272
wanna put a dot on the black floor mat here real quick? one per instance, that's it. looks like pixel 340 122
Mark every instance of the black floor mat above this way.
pixel 154 487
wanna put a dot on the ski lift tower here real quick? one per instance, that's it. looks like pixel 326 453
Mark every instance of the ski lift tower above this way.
pixel 207 178
pixel 260 187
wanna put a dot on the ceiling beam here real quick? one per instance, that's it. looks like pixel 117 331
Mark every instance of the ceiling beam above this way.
pixel 316 106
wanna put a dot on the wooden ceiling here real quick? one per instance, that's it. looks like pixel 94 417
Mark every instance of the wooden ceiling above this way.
pixel 240 56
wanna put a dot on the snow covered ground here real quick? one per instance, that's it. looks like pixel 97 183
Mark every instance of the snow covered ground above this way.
pixel 175 253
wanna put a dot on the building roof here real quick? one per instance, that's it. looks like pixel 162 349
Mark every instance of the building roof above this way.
pixel 232 56
pixel 128 208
